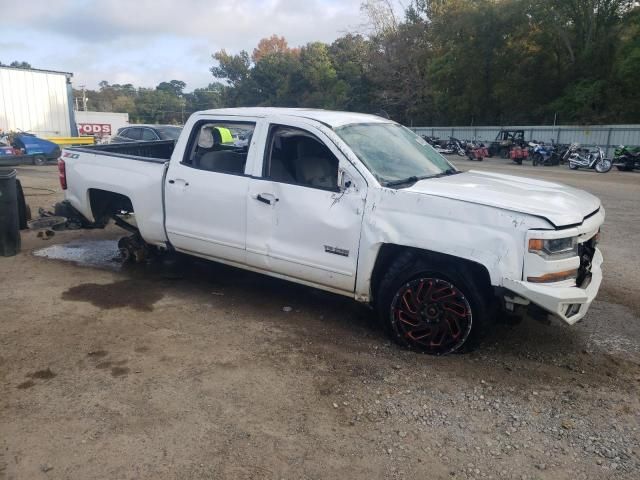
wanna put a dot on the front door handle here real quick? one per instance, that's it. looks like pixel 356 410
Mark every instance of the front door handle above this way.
pixel 179 181
pixel 267 198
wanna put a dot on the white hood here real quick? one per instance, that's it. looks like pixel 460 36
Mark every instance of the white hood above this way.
pixel 559 204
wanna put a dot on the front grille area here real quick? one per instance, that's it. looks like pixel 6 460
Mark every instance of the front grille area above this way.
pixel 586 251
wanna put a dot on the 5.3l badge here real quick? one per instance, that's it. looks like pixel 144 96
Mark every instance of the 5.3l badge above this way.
pixel 336 251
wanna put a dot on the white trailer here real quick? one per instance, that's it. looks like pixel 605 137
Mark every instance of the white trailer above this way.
pixel 36 101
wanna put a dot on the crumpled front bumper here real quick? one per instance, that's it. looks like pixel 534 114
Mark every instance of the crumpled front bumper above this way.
pixel 559 300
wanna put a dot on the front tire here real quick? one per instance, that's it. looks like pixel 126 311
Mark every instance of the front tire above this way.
pixel 431 306
pixel 603 165
pixel 39 160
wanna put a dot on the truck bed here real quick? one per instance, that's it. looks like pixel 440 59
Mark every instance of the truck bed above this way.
pixel 157 151
pixel 134 170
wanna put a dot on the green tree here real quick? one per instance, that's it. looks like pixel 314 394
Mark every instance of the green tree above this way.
pixel 173 87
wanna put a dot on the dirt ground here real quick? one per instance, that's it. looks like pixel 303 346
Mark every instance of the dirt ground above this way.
pixel 124 373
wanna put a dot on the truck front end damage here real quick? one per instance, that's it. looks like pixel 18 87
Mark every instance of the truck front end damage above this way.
pixel 562 271
pixel 537 264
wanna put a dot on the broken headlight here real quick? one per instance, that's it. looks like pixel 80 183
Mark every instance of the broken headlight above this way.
pixel 554 248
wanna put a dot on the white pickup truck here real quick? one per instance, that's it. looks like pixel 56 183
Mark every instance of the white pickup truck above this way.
pixel 354 204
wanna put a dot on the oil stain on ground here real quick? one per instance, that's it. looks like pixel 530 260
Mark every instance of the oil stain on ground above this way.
pixel 39 375
pixel 97 353
pixel 119 371
pixel 126 293
pixel 42 374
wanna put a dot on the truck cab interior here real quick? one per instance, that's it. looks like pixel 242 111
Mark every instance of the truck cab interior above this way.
pixel 297 157
pixel 221 148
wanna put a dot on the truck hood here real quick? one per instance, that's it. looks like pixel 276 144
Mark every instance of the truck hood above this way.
pixel 559 204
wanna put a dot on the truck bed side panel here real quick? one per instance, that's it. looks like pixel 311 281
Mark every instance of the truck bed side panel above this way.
pixel 140 181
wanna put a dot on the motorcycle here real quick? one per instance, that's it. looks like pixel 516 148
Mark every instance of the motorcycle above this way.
pixel 476 151
pixel 579 158
pixel 548 155
pixel 458 146
pixel 560 155
pixel 448 147
pixel 626 159
pixel 433 141
pixel 541 154
pixel 518 154
pixel 443 147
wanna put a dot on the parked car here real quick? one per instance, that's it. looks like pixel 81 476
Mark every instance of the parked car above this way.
pixel 146 133
pixel 354 204
pixel 38 150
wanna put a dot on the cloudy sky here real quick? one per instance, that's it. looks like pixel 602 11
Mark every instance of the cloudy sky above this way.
pixel 147 41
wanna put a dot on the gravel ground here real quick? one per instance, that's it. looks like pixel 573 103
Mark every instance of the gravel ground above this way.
pixel 112 372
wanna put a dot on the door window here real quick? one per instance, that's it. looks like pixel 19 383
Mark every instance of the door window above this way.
pixel 220 146
pixel 299 157
pixel 148 134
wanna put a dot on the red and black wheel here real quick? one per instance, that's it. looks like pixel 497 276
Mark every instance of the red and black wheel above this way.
pixel 432 307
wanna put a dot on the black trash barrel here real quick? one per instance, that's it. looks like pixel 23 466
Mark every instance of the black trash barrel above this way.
pixel 9 216
pixel 24 211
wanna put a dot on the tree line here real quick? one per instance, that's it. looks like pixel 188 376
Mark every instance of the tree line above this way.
pixel 440 62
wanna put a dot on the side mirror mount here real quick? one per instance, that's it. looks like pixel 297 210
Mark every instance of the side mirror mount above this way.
pixel 345 182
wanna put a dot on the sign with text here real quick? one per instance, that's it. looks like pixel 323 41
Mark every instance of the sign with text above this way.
pixel 98 129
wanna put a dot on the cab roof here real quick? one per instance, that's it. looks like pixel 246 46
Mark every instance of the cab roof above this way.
pixel 328 117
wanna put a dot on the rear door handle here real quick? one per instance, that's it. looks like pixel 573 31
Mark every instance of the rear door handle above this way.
pixel 267 198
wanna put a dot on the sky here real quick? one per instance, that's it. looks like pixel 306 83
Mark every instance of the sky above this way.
pixel 145 42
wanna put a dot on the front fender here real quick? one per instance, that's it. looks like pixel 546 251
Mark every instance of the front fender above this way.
pixel 486 235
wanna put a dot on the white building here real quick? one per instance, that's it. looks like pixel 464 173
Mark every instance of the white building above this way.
pixel 36 101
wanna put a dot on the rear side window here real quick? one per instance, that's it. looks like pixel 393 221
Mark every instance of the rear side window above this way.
pixel 148 134
pixel 219 146
pixel 169 133
pixel 133 133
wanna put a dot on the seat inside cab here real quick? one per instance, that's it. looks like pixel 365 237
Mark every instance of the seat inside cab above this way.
pixel 221 149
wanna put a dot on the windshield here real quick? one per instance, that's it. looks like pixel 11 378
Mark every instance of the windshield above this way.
pixel 169 133
pixel 394 153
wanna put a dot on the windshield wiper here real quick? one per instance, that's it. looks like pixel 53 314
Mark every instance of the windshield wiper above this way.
pixel 413 179
pixel 395 183
pixel 448 171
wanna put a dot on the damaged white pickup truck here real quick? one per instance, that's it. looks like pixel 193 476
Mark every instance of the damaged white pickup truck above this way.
pixel 354 204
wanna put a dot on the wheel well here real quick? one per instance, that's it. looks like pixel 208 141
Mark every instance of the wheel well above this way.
pixel 104 204
pixel 389 252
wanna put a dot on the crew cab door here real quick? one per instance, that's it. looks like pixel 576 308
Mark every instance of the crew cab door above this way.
pixel 206 190
pixel 305 208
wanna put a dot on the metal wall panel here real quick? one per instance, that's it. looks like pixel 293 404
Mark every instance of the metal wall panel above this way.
pixel 34 101
pixel 606 136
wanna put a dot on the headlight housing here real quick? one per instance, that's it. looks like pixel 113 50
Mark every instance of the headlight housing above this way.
pixel 554 248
